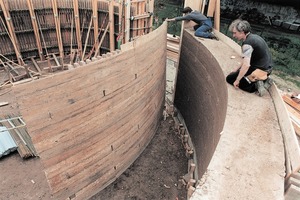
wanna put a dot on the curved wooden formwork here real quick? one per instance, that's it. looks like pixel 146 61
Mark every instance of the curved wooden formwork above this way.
pixel 40 28
pixel 201 98
pixel 90 123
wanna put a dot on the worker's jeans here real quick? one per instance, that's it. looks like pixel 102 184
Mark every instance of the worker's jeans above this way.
pixel 244 84
pixel 204 30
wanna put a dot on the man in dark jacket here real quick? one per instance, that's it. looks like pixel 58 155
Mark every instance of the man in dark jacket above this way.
pixel 253 74
pixel 204 24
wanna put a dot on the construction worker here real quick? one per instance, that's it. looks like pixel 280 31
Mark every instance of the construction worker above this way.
pixel 253 74
pixel 204 24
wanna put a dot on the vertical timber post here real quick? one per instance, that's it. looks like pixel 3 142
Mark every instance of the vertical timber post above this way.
pixel 127 21
pixel 58 32
pixel 35 29
pixel 77 27
pixel 111 26
pixel 217 15
pixel 95 20
pixel 11 32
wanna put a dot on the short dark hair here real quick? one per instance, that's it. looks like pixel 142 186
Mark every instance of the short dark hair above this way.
pixel 187 10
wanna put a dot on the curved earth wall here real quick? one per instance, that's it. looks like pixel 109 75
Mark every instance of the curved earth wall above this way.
pixel 201 97
pixel 89 124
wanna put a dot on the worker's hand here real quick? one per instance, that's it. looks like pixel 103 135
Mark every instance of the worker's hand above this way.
pixel 168 20
pixel 236 84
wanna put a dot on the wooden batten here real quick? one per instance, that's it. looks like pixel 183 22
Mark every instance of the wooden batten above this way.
pixel 95 20
pixel 77 25
pixel 217 15
pixel 35 29
pixel 127 22
pixel 211 8
pixel 111 26
pixel 11 31
pixel 58 31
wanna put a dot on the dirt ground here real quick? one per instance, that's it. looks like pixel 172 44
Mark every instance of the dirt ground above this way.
pixel 156 173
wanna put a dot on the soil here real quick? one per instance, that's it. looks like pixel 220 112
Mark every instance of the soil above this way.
pixel 156 173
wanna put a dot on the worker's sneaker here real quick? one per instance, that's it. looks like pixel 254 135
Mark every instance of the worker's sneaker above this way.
pixel 260 88
pixel 268 83
pixel 213 36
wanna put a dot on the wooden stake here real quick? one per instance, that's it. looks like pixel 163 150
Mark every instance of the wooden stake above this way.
pixel 102 38
pixel 87 38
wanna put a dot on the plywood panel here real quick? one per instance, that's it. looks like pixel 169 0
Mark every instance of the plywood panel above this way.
pixel 201 97
pixel 90 123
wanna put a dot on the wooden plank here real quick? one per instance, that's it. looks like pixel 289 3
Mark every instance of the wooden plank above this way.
pixel 56 60
pixel 296 127
pixel 289 137
pixel 35 29
pixel 77 27
pixel 111 26
pixel 127 22
pixel 57 28
pixel 292 193
pixel 292 103
pixel 293 112
pixel 37 67
pixel 11 31
pixel 217 15
pixel 195 5
pixel 211 8
pixel 3 104
pixel 95 20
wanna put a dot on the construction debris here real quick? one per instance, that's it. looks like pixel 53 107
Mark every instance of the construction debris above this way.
pixel 7 144
pixel 16 129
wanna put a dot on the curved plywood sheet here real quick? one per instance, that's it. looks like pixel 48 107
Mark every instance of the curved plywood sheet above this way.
pixel 90 123
pixel 201 97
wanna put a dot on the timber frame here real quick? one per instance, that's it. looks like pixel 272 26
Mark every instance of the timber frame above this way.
pixel 44 27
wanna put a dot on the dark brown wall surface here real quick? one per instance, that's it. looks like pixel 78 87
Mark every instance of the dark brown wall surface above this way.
pixel 201 98
pixel 89 124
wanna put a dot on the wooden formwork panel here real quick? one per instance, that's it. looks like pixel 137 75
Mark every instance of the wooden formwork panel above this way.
pixel 90 123
pixel 201 97
pixel 53 23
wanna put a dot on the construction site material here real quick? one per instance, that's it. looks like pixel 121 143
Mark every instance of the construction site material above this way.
pixel 17 129
pixel 7 144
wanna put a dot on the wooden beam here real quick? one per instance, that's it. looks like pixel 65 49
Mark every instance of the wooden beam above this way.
pixel 217 15
pixel 112 27
pixel 127 21
pixel 87 38
pixel 35 29
pixel 58 32
pixel 77 27
pixel 290 102
pixel 211 8
pixel 150 10
pixel 291 145
pixel 102 38
pixel 95 20
pixel 120 35
pixel 11 31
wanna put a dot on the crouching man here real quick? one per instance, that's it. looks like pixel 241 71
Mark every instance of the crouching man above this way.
pixel 253 74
